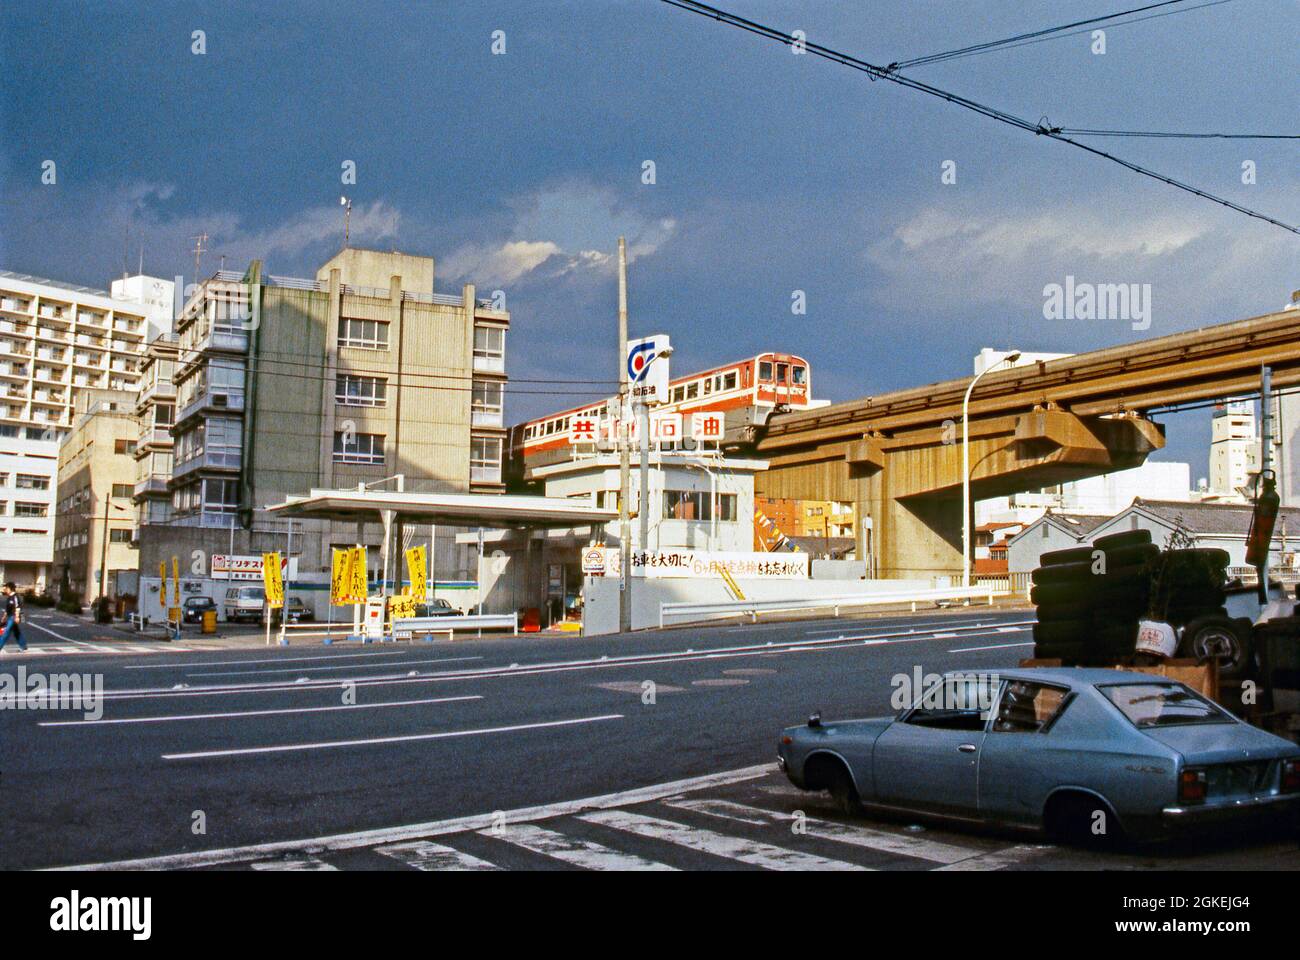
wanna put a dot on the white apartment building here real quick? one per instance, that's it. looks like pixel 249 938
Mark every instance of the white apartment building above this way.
pixel 1103 495
pixel 56 339
pixel 1234 451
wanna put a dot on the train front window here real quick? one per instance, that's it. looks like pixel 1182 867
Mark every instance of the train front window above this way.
pixel 765 372
pixel 783 373
pixel 800 375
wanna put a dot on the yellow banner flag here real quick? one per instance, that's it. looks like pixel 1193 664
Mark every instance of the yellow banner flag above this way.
pixel 341 578
pixel 162 583
pixel 272 579
pixel 358 586
pixel 402 606
pixel 417 571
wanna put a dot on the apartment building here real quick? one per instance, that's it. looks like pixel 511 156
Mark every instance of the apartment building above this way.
pixel 56 341
pixel 351 377
pixel 155 412
pixel 1234 451
pixel 92 527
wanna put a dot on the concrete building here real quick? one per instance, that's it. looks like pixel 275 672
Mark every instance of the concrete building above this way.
pixel 1051 531
pixel 92 529
pixel 155 412
pixel 1234 451
pixel 56 341
pixel 1102 495
pixel 283 385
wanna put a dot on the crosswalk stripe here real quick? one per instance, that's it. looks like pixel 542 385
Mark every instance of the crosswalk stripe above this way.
pixel 998 858
pixel 308 864
pixel 756 854
pixel 423 855
pixel 572 850
pixel 881 840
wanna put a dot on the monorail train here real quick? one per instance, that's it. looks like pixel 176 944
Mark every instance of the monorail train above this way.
pixel 747 392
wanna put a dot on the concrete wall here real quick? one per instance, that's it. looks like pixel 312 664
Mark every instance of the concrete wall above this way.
pixel 600 616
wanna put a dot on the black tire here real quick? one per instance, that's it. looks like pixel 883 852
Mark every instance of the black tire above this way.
pixel 1073 818
pixel 1063 631
pixel 1129 538
pixel 1067 653
pixel 843 792
pixel 1062 573
pixel 1065 610
pixel 1070 555
pixel 1131 556
pixel 1210 557
pixel 1230 641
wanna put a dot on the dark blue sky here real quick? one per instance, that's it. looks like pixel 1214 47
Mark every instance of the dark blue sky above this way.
pixel 774 172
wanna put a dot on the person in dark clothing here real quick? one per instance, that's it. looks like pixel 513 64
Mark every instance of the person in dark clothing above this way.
pixel 13 615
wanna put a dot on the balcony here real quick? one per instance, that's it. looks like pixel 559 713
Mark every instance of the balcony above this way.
pixel 155 436
pixel 205 461
pixel 486 418
pixel 489 364
pixel 157 390
pixel 156 484
pixel 218 401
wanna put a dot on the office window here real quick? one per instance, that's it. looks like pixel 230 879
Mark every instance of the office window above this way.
pixel 119 536
pixel 686 505
pixel 485 460
pixel 29 481
pixel 122 490
pixel 31 509
pixel 367 334
pixel 727 507
pixel 354 391
pixel 489 343
pixel 487 396
pixel 358 447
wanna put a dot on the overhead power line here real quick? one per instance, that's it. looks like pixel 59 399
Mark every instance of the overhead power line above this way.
pixel 1084 132
pixel 1049 33
pixel 882 73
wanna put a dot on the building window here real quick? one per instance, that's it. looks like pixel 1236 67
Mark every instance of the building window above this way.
pixel 485 460
pixel 686 505
pixel 122 490
pixel 353 391
pixel 485 403
pixel 29 481
pixel 366 334
pixel 490 349
pixel 727 507
pixel 119 536
pixel 358 447
pixel 31 509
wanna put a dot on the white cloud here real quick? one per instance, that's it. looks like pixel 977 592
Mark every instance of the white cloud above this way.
pixel 501 264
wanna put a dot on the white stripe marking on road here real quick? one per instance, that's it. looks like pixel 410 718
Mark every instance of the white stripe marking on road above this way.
pixel 252 713
pixel 237 663
pixel 376 741
pixel 895 843
pixel 750 852
pixel 306 864
pixel 571 850
pixel 346 666
pixel 993 646
pixel 433 828
pixel 52 633
pixel 423 855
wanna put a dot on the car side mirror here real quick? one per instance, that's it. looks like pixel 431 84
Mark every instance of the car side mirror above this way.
pixel 815 720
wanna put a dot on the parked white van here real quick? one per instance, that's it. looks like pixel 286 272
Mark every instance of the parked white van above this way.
pixel 245 603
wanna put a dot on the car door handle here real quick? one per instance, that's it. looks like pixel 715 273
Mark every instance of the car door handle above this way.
pixel 966 747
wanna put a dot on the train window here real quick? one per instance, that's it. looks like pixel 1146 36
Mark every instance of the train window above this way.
pixel 678 393
pixel 782 372
pixel 799 374
pixel 729 381
pixel 765 372
pixel 708 386
pixel 692 390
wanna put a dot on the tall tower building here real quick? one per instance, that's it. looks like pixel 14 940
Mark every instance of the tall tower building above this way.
pixel 1234 450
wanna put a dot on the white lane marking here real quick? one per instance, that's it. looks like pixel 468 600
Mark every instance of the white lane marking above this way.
pixel 346 666
pixel 252 713
pixel 309 864
pixel 377 741
pixel 433 828
pixel 751 852
pixel 572 850
pixel 942 636
pixel 890 621
pixel 236 663
pixel 884 841
pixel 58 636
pixel 999 858
pixel 1010 629
pixel 993 646
pixel 423 855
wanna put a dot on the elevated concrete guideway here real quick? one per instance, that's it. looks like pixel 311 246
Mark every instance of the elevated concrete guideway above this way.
pixel 898 455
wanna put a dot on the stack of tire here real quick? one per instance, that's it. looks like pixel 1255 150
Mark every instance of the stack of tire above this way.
pixel 1190 595
pixel 1090 599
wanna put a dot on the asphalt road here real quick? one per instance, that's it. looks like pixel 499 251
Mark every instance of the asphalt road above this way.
pixel 487 744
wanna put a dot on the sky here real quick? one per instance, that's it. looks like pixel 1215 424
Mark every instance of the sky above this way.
pixel 774 174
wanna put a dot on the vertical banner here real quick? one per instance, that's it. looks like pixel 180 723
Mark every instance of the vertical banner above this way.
pixel 341 578
pixel 162 584
pixel 272 579
pixel 358 586
pixel 417 572
pixel 174 611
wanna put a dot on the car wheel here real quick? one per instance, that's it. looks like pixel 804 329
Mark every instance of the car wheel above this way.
pixel 1082 820
pixel 843 792
pixel 1226 640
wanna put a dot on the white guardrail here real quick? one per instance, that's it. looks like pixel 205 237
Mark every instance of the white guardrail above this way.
pixel 412 628
pixel 753 608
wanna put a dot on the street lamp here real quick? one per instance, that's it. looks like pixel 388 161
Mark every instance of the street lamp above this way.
pixel 645 455
pixel 1009 359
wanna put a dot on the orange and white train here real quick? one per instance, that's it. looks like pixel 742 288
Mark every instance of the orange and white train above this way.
pixel 746 392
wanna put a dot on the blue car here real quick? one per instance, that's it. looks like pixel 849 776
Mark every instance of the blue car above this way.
pixel 1085 755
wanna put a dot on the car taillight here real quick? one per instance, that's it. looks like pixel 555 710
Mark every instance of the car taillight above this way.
pixel 1191 786
pixel 1290 775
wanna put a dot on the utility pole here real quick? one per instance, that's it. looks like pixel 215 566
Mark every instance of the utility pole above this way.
pixel 103 553
pixel 624 466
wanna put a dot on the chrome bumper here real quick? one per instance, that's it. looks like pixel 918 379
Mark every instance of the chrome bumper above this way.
pixel 1230 808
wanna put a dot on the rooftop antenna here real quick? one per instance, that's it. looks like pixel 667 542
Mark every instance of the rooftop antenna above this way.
pixel 199 241
pixel 347 220
pixel 142 258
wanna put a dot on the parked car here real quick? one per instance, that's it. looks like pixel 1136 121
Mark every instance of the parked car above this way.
pixel 1085 755
pixel 193 608
pixel 437 608
pixel 294 609
pixel 245 603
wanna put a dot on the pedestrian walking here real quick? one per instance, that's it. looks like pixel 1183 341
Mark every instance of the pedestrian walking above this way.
pixel 13 615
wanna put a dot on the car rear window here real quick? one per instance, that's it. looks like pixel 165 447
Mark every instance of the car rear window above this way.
pixel 1162 704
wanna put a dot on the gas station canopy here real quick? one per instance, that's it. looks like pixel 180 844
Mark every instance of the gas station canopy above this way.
pixel 449 509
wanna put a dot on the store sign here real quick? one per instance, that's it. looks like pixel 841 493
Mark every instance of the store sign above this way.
pixel 234 567
pixel 647 369
pixel 593 562
pixel 705 565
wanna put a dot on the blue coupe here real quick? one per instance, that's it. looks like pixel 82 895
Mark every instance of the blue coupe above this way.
pixel 1082 754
